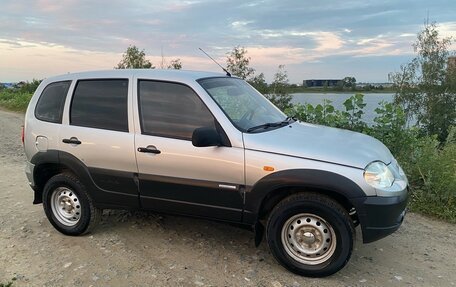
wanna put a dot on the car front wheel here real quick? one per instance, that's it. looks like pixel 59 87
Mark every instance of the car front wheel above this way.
pixel 310 234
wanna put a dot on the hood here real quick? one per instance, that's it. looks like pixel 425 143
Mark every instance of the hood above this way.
pixel 320 143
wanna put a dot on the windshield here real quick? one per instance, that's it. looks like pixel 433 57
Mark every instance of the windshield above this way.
pixel 245 107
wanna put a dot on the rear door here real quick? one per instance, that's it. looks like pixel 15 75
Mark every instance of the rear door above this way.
pixel 96 133
pixel 179 177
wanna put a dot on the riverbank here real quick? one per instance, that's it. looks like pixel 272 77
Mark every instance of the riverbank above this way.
pixel 321 91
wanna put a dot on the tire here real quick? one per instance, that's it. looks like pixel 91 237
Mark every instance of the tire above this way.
pixel 310 234
pixel 68 206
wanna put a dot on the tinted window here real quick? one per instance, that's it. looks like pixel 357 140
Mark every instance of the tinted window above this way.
pixel 50 104
pixel 100 104
pixel 171 110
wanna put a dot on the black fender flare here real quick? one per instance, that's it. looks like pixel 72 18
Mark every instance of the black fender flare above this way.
pixel 297 178
pixel 65 160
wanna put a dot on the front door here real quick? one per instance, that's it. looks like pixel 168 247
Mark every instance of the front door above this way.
pixel 174 175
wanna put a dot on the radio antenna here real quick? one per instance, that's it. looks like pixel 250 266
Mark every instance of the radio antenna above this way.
pixel 227 73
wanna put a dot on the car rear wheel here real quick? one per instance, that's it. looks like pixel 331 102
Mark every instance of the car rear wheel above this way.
pixel 68 206
pixel 310 234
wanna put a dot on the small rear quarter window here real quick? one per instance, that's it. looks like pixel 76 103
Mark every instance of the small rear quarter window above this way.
pixel 50 104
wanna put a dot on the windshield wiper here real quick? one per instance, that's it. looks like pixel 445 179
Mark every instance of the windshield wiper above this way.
pixel 270 125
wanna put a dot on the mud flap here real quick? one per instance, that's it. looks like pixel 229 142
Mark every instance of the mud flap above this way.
pixel 38 198
pixel 258 229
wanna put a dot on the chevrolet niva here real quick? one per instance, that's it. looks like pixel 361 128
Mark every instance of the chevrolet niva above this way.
pixel 208 145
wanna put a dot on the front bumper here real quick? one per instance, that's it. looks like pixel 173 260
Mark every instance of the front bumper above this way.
pixel 380 216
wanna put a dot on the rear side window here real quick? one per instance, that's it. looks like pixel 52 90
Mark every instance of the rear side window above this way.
pixel 101 104
pixel 171 110
pixel 50 104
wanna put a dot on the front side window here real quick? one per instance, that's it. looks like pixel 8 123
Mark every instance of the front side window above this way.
pixel 101 104
pixel 247 109
pixel 171 110
pixel 50 104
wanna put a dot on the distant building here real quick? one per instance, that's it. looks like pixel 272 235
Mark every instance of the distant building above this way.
pixel 321 83
pixel 8 85
pixel 374 85
pixel 20 84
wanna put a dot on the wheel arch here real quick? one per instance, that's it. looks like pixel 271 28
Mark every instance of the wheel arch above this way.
pixel 275 196
pixel 42 173
pixel 50 163
pixel 270 190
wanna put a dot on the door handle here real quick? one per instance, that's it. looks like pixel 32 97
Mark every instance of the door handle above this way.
pixel 149 149
pixel 72 140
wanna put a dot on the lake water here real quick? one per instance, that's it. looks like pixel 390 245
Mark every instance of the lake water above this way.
pixel 337 99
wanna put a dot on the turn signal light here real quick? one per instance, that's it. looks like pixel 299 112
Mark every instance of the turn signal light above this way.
pixel 268 168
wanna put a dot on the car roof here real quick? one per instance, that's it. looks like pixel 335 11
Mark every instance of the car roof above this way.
pixel 158 74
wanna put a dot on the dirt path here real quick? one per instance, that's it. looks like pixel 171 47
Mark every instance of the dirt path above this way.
pixel 144 249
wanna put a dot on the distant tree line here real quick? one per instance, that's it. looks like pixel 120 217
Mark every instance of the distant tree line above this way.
pixel 134 58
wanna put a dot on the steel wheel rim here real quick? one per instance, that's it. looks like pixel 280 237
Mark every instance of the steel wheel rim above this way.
pixel 308 239
pixel 65 206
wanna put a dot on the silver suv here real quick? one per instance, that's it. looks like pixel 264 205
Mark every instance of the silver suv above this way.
pixel 208 145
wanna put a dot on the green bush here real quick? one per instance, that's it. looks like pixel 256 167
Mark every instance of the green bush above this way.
pixel 389 128
pixel 15 100
pixel 431 169
pixel 326 114
pixel 323 114
pixel 8 284
pixel 429 165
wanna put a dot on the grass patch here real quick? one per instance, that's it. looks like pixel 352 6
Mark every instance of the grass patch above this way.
pixel 8 284
pixel 15 100
pixel 432 173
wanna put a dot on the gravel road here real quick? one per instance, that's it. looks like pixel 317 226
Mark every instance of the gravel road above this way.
pixel 146 249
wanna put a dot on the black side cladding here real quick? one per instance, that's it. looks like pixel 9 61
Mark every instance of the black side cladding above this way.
pixel 108 188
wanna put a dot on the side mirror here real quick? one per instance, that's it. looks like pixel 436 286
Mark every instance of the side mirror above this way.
pixel 206 136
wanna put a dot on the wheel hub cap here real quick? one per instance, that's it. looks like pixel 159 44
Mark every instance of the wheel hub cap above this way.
pixel 308 238
pixel 66 206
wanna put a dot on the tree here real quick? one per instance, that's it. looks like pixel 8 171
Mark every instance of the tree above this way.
pixel 349 82
pixel 237 63
pixel 424 85
pixel 259 83
pixel 27 87
pixel 340 85
pixel 279 95
pixel 175 64
pixel 133 58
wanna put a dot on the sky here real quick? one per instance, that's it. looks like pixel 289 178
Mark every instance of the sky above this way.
pixel 313 39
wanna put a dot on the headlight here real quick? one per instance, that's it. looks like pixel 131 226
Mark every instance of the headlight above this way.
pixel 378 175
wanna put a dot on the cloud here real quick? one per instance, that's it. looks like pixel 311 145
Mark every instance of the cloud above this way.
pixel 328 41
pixel 68 60
pixel 274 32
pixel 448 29
pixel 240 24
